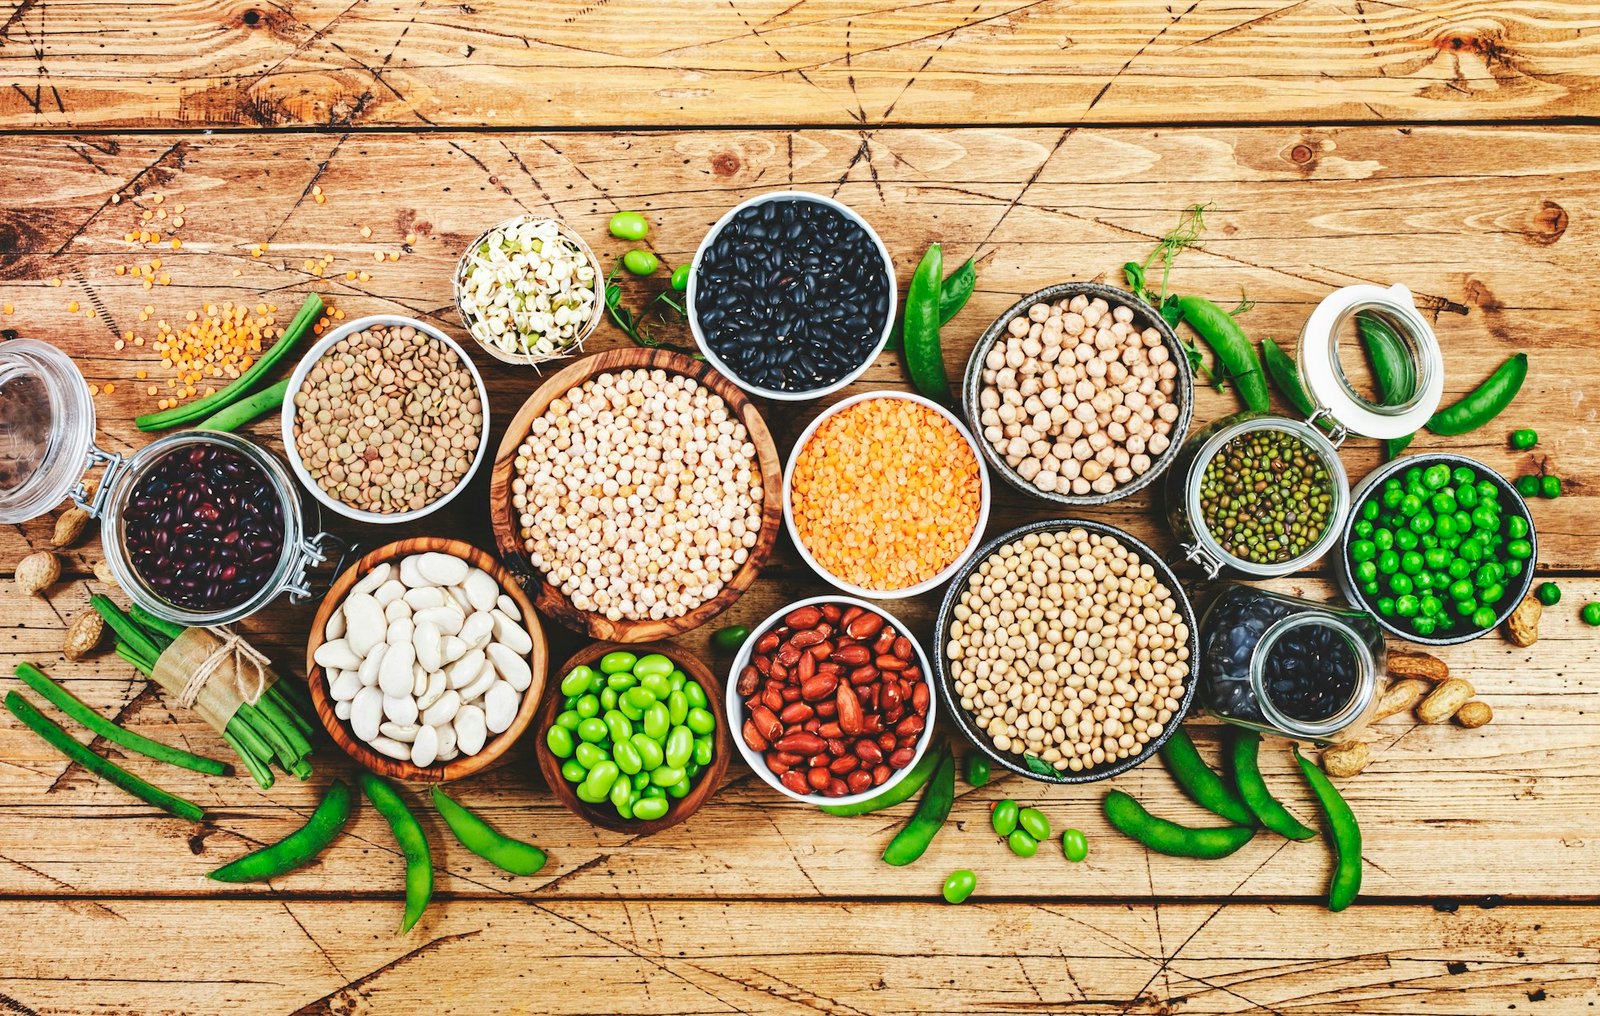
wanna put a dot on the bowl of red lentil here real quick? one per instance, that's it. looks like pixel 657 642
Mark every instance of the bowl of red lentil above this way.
pixel 386 419
pixel 886 495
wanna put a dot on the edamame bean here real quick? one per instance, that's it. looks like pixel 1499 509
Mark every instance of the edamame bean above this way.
pixel 658 685
pixel 617 662
pixel 632 712
pixel 621 794
pixel 639 698
pixel 626 757
pixel 1033 822
pixel 696 695
pixel 573 771
pixel 1022 843
pixel 666 776
pixel 609 698
pixel 577 680
pixel 679 746
pixel 648 749
pixel 959 884
pixel 657 722
pixel 601 777
pixel 680 278
pixel 1074 845
pixel 681 788
pixel 1003 820
pixel 569 719
pixel 587 794
pixel 640 261
pixel 481 838
pixel 701 721
pixel 629 226
pixel 677 707
pixel 649 809
pixel 676 680
pixel 589 755
pixel 654 665
pixel 559 740
pixel 641 780
pixel 621 681
pixel 588 705
pixel 592 730
pixel 705 749
pixel 618 727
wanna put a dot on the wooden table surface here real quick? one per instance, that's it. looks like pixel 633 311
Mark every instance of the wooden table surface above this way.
pixel 1451 146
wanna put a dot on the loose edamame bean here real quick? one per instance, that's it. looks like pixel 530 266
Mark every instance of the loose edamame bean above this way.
pixel 640 262
pixel 629 226
pixel 1003 819
pixel 478 836
pixel 959 884
pixel 1074 845
pixel 1034 823
pixel 978 770
pixel 1022 843
pixel 680 279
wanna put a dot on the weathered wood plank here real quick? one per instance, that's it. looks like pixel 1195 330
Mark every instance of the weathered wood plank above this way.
pixel 178 63
pixel 676 959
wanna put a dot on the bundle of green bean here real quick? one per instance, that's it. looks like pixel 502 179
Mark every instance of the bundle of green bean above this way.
pixel 274 729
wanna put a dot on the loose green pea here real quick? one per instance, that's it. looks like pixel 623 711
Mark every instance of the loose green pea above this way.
pixel 1524 439
pixel 573 771
pixel 1590 614
pixel 629 226
pixel 640 262
pixel 650 808
pixel 680 278
pixel 701 721
pixel 1369 511
pixel 617 662
pixel 1022 843
pixel 1363 528
pixel 1003 819
pixel 1492 594
pixel 958 885
pixel 679 746
pixel 1549 593
pixel 1550 486
pixel 559 740
pixel 677 707
pixel 1383 539
pixel 1033 821
pixel 588 755
pixel 1423 625
pixel 1411 562
pixel 626 756
pixel 1467 497
pixel 592 730
pixel 1074 844
pixel 577 681
pixel 696 695
pixel 1527 485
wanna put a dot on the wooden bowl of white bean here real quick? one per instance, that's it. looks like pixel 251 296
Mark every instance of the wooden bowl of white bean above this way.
pixel 409 736
pixel 660 532
pixel 1079 394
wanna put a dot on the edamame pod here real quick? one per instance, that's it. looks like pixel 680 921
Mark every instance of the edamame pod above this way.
pixel 487 842
pixel 912 841
pixel 1346 835
pixel 1164 837
pixel 300 847
pixel 1199 782
pixel 1253 788
pixel 413 843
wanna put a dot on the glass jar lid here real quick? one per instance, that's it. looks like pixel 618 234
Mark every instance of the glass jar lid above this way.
pixel 46 429
pixel 1417 355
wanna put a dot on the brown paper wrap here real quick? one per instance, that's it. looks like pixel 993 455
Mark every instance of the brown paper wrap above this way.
pixel 212 671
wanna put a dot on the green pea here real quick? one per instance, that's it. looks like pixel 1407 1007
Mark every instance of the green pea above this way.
pixel 559 741
pixel 1520 549
pixel 679 746
pixel 640 698
pixel 1491 595
pixel 1370 588
pixel 1386 606
pixel 621 794
pixel 1406 606
pixel 1467 497
pixel 1459 569
pixel 1410 504
pixel 617 662
pixel 1074 844
pixel 650 808
pixel 592 730
pixel 1003 819
pixel 1516 527
pixel 1436 476
pixel 1435 558
pixel 1369 511
pixel 1466 608
pixel 648 750
pixel 1430 606
pixel 569 718
pixel 677 707
pixel 1470 551
pixel 629 226
pixel 1527 485
pixel 1422 581
pixel 1411 562
pixel 640 261
pixel 1590 614
pixel 696 695
pixel 1388 562
pixel 666 776
pixel 681 788
pixel 626 757
pixel 1524 439
pixel 1461 589
pixel 1483 617
pixel 701 721
pixel 577 681
pixel 1392 496
pixel 588 705
pixel 1383 539
pixel 1549 593
pixel 705 749
pixel 1485 517
pixel 1513 569
pixel 1022 843
pixel 1362 550
pixel 1550 486
pixel 573 771
pixel 1421 522
pixel 680 278
pixel 1443 503
pixel 589 755
pixel 617 726
pixel 958 885
pixel 621 681
pixel 1405 539
pixel 1488 574
pixel 656 722
pixel 1400 584
pixel 1423 625
pixel 1362 528
pixel 1033 821
pixel 659 685
pixel 1445 527
pixel 1366 572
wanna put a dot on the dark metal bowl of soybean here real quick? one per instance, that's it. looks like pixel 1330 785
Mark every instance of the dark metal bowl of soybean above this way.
pixel 791 295
pixel 1144 316
pixel 1511 504
pixel 950 701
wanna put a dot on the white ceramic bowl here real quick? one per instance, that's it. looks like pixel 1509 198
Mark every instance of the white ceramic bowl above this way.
pixel 737 713
pixel 733 375
pixel 316 352
pixel 470 321
pixel 984 494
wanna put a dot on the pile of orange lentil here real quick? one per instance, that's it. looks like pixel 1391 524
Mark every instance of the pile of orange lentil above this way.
pixel 886 494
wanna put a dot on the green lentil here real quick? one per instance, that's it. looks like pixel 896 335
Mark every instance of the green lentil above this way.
pixel 1266 497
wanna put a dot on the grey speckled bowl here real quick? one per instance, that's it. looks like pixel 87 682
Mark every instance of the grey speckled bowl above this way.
pixel 1145 317
pixel 950 702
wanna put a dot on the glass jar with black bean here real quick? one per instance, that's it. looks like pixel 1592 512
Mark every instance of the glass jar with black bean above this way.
pixel 1289 666
pixel 791 295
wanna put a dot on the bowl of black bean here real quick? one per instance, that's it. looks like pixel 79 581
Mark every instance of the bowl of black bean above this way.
pixel 791 295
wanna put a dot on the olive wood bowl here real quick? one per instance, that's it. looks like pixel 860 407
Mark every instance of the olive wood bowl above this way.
pixel 604 815
pixel 462 765
pixel 549 599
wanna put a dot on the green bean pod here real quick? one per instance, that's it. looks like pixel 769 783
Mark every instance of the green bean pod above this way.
pixel 912 841
pixel 923 353
pixel 486 841
pixel 1485 402
pixel 413 843
pixel 957 290
pixel 1164 837
pixel 1202 785
pixel 1392 369
pixel 902 791
pixel 1253 789
pixel 300 847
pixel 1346 834
pixel 1286 375
pixel 1231 346
pixel 231 418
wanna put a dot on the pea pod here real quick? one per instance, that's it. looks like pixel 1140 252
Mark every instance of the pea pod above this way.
pixel 1253 789
pixel 297 849
pixel 413 843
pixel 1485 402
pixel 1232 348
pixel 924 354
pixel 1346 882
pixel 1286 375
pixel 910 842
pixel 902 791
pixel 481 838
pixel 1128 817
pixel 1392 369
pixel 957 290
pixel 1200 783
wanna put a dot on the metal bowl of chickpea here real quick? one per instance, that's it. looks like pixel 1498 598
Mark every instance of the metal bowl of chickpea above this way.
pixel 1079 394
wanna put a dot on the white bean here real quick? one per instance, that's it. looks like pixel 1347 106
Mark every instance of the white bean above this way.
pixel 441 569
pixel 447 619
pixel 480 684
pixel 477 630
pixel 344 687
pixel 370 666
pixel 466 670
pixel 425 748
pixel 390 747
pixel 471 730
pixel 394 675
pixel 509 607
pixel 500 706
pixel 481 589
pixel 372 579
pixel 336 655
pixel 389 592
pixel 400 709
pixel 341 710
pixel 452 649
pixel 511 666
pixel 409 575
pixel 437 685
pixel 444 710
pixel 424 597
pixel 366 712
pixel 406 732
pixel 429 644
pixel 395 610
pixel 364 622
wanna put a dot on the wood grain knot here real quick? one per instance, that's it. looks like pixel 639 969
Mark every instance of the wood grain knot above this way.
pixel 1549 223
pixel 1302 155
pixel 725 164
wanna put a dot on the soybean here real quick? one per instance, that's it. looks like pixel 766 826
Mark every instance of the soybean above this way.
pixel 1074 845
pixel 481 838
pixel 959 884
pixel 413 843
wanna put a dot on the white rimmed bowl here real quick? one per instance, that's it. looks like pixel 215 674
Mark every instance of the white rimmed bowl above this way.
pixel 737 713
pixel 984 496
pixel 470 321
pixel 733 375
pixel 317 352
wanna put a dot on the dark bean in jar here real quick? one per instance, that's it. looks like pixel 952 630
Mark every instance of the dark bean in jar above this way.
pixel 834 700
pixel 1310 672
pixel 792 295
pixel 204 527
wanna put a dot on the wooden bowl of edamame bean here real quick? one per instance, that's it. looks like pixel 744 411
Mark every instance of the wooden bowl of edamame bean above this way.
pixel 614 673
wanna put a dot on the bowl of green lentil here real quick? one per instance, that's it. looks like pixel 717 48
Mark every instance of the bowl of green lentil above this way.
pixel 1440 548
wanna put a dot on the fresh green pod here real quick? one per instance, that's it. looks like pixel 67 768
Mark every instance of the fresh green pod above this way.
pixel 1253 789
pixel 300 847
pixel 1485 402
pixel 1344 831
pixel 487 842
pixel 1164 837
pixel 913 840
pixel 957 290
pixel 924 353
pixel 413 843
pixel 1232 348
pixel 1202 785
pixel 1285 373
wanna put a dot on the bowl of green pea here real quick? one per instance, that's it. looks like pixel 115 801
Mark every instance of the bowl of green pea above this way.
pixel 634 739
pixel 1440 548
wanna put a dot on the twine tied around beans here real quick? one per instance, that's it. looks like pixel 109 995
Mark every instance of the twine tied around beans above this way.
pixel 249 668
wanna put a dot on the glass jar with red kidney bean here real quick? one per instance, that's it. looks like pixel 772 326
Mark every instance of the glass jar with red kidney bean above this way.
pixel 205 528
pixel 830 700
